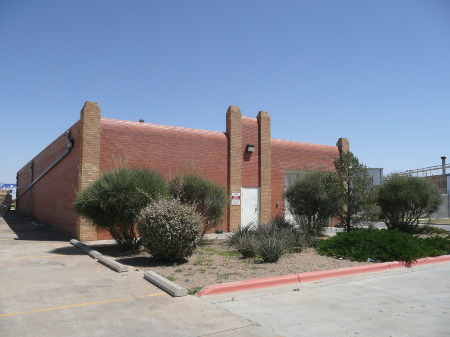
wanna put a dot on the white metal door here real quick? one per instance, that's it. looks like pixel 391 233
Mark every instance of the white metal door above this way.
pixel 249 206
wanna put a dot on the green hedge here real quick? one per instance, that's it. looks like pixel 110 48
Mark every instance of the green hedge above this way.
pixel 383 246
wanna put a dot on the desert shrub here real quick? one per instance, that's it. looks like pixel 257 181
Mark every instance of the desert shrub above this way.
pixel 169 229
pixel 272 242
pixel 382 246
pixel 312 202
pixel 246 246
pixel 280 222
pixel 268 242
pixel 243 240
pixel 240 232
pixel 114 201
pixel 270 249
pixel 208 198
pixel 404 200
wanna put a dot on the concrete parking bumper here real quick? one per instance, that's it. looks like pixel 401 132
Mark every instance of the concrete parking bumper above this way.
pixel 165 284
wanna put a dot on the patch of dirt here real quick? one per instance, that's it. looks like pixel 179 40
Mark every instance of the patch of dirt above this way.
pixel 215 262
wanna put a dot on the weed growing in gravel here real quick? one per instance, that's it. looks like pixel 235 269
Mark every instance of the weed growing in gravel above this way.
pixel 194 290
pixel 203 262
pixel 225 276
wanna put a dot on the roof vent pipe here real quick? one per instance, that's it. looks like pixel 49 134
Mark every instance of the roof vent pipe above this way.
pixel 443 164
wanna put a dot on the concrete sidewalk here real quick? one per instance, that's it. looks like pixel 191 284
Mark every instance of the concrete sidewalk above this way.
pixel 402 302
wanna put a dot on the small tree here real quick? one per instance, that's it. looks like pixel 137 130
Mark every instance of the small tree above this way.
pixel 403 200
pixel 208 198
pixel 312 202
pixel 353 185
pixel 114 201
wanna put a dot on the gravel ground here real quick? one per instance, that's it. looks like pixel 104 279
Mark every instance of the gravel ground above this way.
pixel 215 262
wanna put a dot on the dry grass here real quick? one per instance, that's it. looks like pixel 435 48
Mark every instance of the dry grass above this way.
pixel 215 262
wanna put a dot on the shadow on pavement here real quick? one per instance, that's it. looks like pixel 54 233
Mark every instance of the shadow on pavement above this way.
pixel 24 229
pixel 148 262
pixel 71 250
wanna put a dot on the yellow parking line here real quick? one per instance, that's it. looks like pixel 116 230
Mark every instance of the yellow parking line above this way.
pixel 50 244
pixel 31 257
pixel 80 305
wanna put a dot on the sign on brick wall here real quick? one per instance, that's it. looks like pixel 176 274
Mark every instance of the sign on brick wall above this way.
pixel 235 199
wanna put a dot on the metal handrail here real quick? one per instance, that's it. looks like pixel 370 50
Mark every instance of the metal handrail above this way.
pixel 432 170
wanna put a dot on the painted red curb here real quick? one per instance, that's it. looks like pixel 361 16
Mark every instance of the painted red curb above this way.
pixel 324 274
pixel 429 260
pixel 313 276
pixel 248 284
pixel 397 264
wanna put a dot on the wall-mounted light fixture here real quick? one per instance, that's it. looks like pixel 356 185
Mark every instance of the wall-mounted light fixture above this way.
pixel 250 148
pixel 68 135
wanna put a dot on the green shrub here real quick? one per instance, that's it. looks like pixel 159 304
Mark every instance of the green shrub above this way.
pixel 404 200
pixel 208 198
pixel 436 245
pixel 312 202
pixel 427 229
pixel 169 229
pixel 382 246
pixel 114 201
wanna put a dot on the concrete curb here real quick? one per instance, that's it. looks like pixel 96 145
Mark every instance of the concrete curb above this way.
pixel 249 284
pixel 313 276
pixel 85 248
pixel 168 286
pixel 77 243
pixel 114 265
pixel 91 252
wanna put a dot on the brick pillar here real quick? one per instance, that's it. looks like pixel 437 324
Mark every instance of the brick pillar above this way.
pixel 265 166
pixel 234 134
pixel 89 165
pixel 343 145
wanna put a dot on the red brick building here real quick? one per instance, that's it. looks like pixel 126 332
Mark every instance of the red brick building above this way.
pixel 245 160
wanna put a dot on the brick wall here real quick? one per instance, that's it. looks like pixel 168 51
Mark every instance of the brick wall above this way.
pixel 297 156
pixel 103 144
pixel 168 150
pixel 250 160
pixel 50 199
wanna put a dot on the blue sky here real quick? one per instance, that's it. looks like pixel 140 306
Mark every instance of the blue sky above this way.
pixel 376 72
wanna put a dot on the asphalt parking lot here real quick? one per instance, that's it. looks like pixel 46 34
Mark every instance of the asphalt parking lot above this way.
pixel 50 288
